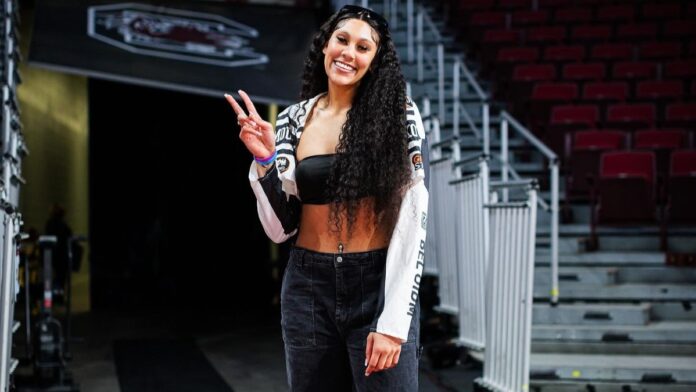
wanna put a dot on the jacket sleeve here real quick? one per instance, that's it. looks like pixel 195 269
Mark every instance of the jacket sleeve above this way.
pixel 278 211
pixel 405 256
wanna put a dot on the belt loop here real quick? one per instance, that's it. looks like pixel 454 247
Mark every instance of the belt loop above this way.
pixel 301 257
pixel 373 259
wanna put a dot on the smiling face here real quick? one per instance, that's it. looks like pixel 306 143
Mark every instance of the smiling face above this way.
pixel 349 52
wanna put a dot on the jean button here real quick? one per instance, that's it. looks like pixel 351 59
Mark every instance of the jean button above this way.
pixel 339 259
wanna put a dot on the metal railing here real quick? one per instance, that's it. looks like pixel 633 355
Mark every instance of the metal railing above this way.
pixel 481 134
pixel 424 19
pixel 510 285
pixel 472 228
pixel 506 120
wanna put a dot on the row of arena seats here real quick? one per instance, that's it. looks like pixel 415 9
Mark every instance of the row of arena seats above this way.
pixel 618 57
pixel 610 85
pixel 589 33
pixel 553 122
pixel 627 191
pixel 646 78
pixel 583 150
pixel 521 12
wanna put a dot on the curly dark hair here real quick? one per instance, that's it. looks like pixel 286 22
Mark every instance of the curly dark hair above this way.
pixel 372 152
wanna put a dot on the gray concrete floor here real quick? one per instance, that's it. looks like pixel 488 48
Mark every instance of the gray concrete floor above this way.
pixel 247 354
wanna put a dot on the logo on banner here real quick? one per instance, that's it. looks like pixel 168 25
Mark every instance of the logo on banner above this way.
pixel 176 34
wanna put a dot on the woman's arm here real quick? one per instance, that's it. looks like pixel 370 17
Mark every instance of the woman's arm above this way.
pixel 278 211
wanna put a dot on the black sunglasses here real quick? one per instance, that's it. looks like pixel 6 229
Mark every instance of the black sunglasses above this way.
pixel 368 13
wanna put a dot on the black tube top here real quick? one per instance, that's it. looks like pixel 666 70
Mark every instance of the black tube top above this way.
pixel 312 176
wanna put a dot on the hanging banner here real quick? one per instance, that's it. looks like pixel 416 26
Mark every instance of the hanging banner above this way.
pixel 198 47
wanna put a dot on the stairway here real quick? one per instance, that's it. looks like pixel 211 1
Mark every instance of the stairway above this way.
pixel 626 320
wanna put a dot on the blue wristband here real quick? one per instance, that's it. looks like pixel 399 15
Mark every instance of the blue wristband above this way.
pixel 267 161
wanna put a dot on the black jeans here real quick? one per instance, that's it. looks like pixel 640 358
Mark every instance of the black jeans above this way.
pixel 328 305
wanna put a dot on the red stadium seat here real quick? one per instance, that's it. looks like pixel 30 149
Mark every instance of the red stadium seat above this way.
pixel 679 29
pixel 681 115
pixel 631 116
pixel 624 173
pixel 584 71
pixel 681 191
pixel 635 70
pixel 662 143
pixel 616 13
pixel 660 89
pixel 660 50
pixel 572 15
pixel 583 150
pixel 628 32
pixel 518 55
pixel 493 40
pixel 681 69
pixel 476 5
pixel 626 164
pixel 691 9
pixel 612 52
pixel 530 18
pixel 546 35
pixel 480 21
pixel 554 3
pixel 507 58
pixel 498 36
pixel 661 11
pixel 569 118
pixel 546 95
pixel 514 4
pixel 581 115
pixel 524 76
pixel 591 33
pixel 605 91
pixel 564 53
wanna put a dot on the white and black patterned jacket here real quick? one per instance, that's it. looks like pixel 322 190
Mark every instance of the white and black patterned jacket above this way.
pixel 279 208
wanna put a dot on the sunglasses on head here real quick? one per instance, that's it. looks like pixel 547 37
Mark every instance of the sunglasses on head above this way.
pixel 368 13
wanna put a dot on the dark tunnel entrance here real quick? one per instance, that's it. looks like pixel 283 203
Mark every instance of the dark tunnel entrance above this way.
pixel 173 219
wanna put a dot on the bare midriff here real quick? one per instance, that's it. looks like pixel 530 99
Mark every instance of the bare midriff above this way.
pixel 315 233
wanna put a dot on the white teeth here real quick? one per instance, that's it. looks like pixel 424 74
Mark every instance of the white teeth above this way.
pixel 343 66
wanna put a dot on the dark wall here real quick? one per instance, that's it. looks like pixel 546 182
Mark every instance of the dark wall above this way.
pixel 173 218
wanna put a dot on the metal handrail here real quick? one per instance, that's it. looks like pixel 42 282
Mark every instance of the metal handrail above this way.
pixel 484 134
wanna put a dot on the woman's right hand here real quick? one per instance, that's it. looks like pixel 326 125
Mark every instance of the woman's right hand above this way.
pixel 257 134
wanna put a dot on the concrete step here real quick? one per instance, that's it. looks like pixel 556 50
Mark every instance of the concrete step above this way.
pixel 612 367
pixel 671 311
pixel 565 244
pixel 618 348
pixel 682 275
pixel 614 275
pixel 584 275
pixel 603 259
pixel 631 238
pixel 622 292
pixel 654 332
pixel 591 314
pixel 538 385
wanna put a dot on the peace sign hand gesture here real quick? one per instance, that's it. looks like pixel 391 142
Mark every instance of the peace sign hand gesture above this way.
pixel 257 134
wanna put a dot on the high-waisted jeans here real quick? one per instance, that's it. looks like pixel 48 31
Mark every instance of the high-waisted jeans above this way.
pixel 328 305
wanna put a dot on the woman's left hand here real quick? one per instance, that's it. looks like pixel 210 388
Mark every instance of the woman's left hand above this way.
pixel 382 352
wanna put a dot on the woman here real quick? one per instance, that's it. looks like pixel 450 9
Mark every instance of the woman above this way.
pixel 343 172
